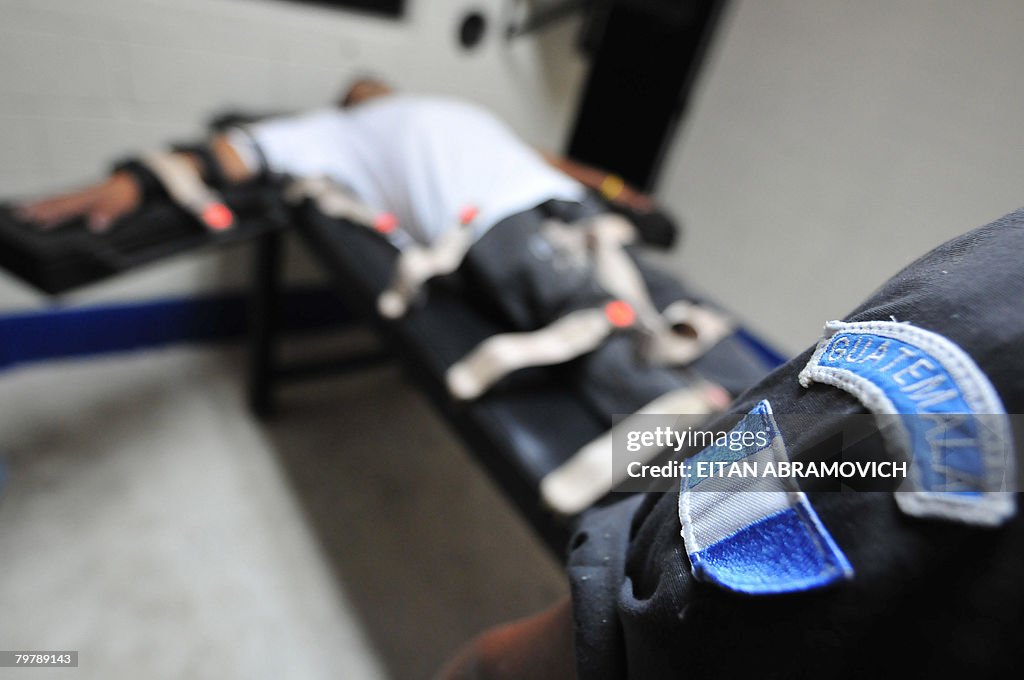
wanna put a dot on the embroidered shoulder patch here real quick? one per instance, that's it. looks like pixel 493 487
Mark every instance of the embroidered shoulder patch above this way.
pixel 751 534
pixel 935 407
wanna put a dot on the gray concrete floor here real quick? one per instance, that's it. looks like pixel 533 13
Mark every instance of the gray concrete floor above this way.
pixel 150 523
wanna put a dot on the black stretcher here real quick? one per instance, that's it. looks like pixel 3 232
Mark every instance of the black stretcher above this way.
pixel 521 431
pixel 70 255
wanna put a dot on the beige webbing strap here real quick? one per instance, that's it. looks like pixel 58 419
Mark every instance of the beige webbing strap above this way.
pixel 183 184
pixel 592 471
pixel 614 268
pixel 571 336
pixel 331 199
pixel 415 265
pixel 684 332
pixel 617 273
pixel 418 264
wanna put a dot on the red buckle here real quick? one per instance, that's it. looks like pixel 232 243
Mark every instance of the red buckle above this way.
pixel 218 217
pixel 468 214
pixel 620 314
pixel 385 223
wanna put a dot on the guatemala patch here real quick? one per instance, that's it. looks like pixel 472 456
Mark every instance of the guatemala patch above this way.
pixel 755 535
pixel 935 408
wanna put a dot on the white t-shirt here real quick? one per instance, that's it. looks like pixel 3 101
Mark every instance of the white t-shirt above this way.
pixel 424 159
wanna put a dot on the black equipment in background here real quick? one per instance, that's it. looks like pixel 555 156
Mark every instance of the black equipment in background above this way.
pixel 385 8
pixel 645 55
pixel 472 29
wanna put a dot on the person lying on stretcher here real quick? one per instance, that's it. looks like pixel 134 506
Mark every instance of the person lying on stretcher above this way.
pixel 460 191
pixel 417 157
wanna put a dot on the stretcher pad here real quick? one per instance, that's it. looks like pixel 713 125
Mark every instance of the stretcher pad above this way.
pixel 522 430
pixel 70 255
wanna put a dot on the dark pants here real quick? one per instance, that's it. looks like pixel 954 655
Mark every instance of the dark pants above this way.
pixel 532 282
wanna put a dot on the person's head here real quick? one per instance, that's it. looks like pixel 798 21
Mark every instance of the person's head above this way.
pixel 364 89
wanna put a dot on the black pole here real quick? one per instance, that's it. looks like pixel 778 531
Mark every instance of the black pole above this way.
pixel 264 321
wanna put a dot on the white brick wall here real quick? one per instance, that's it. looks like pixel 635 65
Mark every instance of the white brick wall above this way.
pixel 869 131
pixel 82 82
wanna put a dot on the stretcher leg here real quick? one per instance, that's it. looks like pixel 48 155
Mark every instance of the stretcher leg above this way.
pixel 264 322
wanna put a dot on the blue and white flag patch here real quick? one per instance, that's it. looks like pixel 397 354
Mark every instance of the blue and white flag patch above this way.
pixel 755 535
pixel 935 407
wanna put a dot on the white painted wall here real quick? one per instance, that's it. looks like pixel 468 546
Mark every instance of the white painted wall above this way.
pixel 833 142
pixel 84 81
pixel 830 142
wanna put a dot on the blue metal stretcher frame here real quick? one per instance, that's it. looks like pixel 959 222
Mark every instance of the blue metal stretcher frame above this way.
pixel 67 332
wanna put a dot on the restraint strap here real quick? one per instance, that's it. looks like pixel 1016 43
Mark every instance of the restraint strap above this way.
pixel 210 170
pixel 684 331
pixel 331 199
pixel 580 332
pixel 572 335
pixel 241 137
pixel 418 264
pixel 415 265
pixel 182 182
pixel 591 472
pixel 665 341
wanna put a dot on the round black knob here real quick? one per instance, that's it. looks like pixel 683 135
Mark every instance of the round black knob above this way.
pixel 472 29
